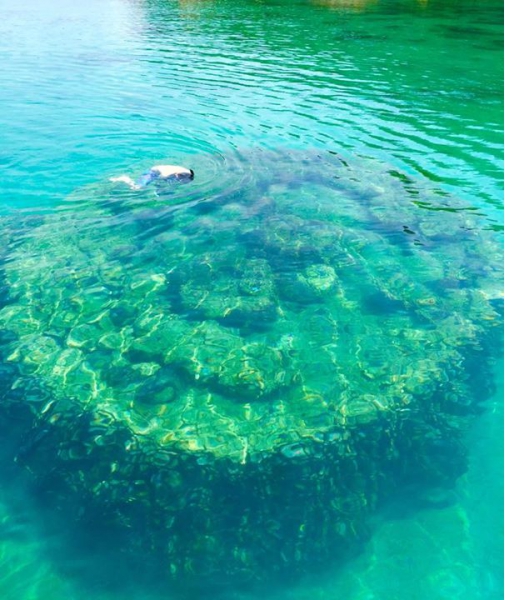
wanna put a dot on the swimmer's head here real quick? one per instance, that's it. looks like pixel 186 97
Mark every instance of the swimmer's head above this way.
pixel 183 176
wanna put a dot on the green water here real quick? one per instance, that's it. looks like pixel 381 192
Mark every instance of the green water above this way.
pixel 376 124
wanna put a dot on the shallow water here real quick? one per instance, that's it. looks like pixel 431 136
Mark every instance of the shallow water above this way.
pixel 252 95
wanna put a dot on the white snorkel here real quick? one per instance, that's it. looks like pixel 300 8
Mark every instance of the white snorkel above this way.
pixel 157 173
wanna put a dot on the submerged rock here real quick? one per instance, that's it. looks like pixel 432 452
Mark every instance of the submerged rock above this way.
pixel 241 384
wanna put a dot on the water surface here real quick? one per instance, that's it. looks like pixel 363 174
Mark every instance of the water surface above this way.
pixel 96 90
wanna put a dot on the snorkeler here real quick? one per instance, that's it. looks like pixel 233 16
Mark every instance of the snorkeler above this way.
pixel 158 173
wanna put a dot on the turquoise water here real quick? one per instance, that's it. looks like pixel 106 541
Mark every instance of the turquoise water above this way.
pixel 89 92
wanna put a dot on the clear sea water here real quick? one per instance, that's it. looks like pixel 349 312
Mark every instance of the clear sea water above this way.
pixel 98 89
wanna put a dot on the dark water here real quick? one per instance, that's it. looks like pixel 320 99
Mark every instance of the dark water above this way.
pixel 348 160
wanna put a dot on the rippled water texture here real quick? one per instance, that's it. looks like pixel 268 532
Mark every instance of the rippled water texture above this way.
pixel 292 363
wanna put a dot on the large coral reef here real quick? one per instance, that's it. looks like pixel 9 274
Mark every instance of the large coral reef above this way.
pixel 244 374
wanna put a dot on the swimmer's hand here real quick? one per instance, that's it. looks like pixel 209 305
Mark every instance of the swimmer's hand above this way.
pixel 125 179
